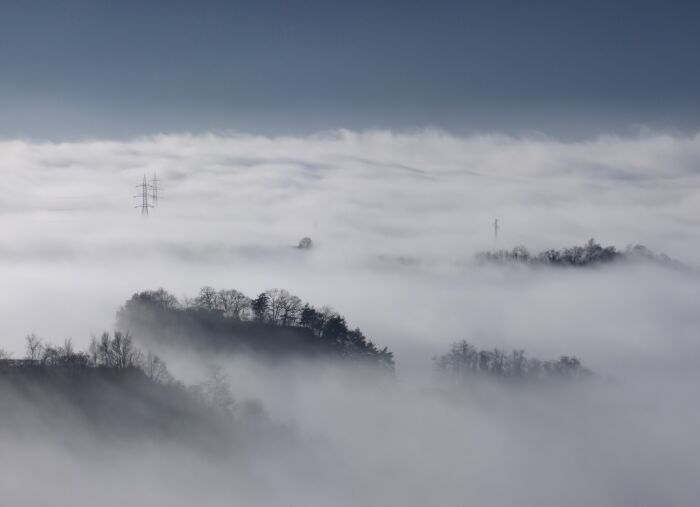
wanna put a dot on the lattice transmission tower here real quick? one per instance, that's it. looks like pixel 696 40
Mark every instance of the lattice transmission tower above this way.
pixel 154 189
pixel 144 196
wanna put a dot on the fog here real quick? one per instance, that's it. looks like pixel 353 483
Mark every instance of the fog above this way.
pixel 396 219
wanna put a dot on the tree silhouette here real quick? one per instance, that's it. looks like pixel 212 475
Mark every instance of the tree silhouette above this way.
pixel 589 254
pixel 260 306
pixel 335 328
pixel 34 347
pixel 233 303
pixel 206 299
pixel 156 369
pixel 464 361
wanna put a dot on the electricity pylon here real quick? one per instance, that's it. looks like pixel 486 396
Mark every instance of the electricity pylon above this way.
pixel 145 187
pixel 154 189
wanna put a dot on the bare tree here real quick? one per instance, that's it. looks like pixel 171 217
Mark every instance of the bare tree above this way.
pixel 274 308
pixel 233 303
pixel 124 354
pixel 217 391
pixel 105 356
pixel 34 347
pixel 206 299
pixel 188 302
pixel 159 297
pixel 4 354
pixel 291 307
pixel 94 351
pixel 67 350
pixel 164 298
pixel 283 307
pixel 156 369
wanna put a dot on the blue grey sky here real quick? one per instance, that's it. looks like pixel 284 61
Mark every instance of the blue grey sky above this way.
pixel 95 68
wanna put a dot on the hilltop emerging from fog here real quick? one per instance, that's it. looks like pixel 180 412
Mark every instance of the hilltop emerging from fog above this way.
pixel 275 324
pixel 590 254
pixel 466 363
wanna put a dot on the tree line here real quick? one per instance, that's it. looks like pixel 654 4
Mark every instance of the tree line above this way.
pixel 109 351
pixel 592 253
pixel 464 361
pixel 117 352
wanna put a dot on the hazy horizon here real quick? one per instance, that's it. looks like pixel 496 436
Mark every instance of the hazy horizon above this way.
pixel 122 70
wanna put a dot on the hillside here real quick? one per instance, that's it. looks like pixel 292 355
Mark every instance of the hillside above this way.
pixel 115 392
pixel 274 325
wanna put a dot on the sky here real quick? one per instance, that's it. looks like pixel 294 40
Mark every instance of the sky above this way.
pixel 76 69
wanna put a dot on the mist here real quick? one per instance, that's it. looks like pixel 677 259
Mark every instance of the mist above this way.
pixel 396 219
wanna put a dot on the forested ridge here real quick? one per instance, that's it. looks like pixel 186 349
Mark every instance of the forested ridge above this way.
pixel 114 390
pixel 120 389
pixel 274 324
pixel 590 254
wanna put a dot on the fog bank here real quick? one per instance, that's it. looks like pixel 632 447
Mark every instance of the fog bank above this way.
pixel 396 220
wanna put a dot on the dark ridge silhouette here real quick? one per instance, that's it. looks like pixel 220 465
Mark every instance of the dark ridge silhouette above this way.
pixel 274 325
pixel 114 391
pixel 464 362
pixel 590 254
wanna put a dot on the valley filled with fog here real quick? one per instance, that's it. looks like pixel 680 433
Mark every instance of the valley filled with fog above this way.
pixel 397 221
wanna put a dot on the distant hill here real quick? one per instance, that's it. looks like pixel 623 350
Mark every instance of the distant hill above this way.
pixel 274 325
pixel 590 254
pixel 465 363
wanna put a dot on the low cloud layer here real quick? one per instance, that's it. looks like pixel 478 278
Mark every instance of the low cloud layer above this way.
pixel 398 213
pixel 396 219
pixel 419 195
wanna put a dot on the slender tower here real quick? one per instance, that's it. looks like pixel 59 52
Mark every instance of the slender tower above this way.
pixel 495 229
pixel 154 189
pixel 144 197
